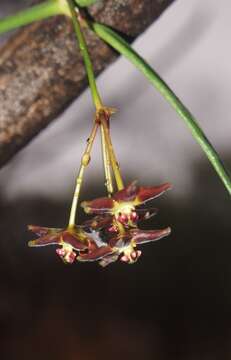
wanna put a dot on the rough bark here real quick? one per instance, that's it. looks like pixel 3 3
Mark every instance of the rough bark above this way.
pixel 41 70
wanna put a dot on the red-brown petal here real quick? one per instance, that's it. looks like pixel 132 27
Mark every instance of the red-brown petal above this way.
pixel 41 231
pixel 129 193
pixel 144 236
pixel 96 254
pixel 98 222
pixel 118 241
pixel 92 247
pixel 74 241
pixel 46 240
pixel 149 193
pixel 98 206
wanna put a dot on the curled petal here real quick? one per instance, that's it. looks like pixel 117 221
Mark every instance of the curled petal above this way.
pixel 144 236
pixel 96 254
pixel 149 193
pixel 129 193
pixel 98 206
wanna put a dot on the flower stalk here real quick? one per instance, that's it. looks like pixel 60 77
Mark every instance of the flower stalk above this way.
pixel 84 163
pixel 104 120
pixel 107 163
pixel 86 57
pixel 101 110
pixel 84 3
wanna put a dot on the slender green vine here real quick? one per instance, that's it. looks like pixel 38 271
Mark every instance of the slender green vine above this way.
pixel 84 51
pixel 37 12
pixel 84 3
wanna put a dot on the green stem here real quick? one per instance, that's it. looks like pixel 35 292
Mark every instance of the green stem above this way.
pixel 84 163
pixel 86 57
pixel 111 153
pixel 100 108
pixel 124 48
pixel 84 3
pixel 38 12
pixel 106 162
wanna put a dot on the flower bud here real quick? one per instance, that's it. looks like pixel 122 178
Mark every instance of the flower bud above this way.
pixel 85 159
pixel 123 218
pixel 134 216
pixel 124 258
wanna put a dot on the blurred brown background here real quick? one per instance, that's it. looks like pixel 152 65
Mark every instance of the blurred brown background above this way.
pixel 175 303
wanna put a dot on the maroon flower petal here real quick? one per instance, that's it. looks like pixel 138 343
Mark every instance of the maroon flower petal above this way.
pixel 98 222
pixel 46 240
pixel 41 231
pixel 98 206
pixel 129 193
pixel 96 254
pixel 119 241
pixel 149 193
pixel 144 236
pixel 51 236
pixel 76 242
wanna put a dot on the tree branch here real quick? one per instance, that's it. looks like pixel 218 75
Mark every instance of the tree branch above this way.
pixel 41 71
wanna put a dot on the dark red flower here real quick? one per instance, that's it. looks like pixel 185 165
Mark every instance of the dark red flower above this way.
pixel 106 221
pixel 122 244
pixel 70 240
pixel 123 204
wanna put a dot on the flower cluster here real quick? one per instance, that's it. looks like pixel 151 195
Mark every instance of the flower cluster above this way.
pixel 112 233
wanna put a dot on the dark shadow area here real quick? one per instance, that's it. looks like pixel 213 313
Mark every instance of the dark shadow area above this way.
pixel 175 303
